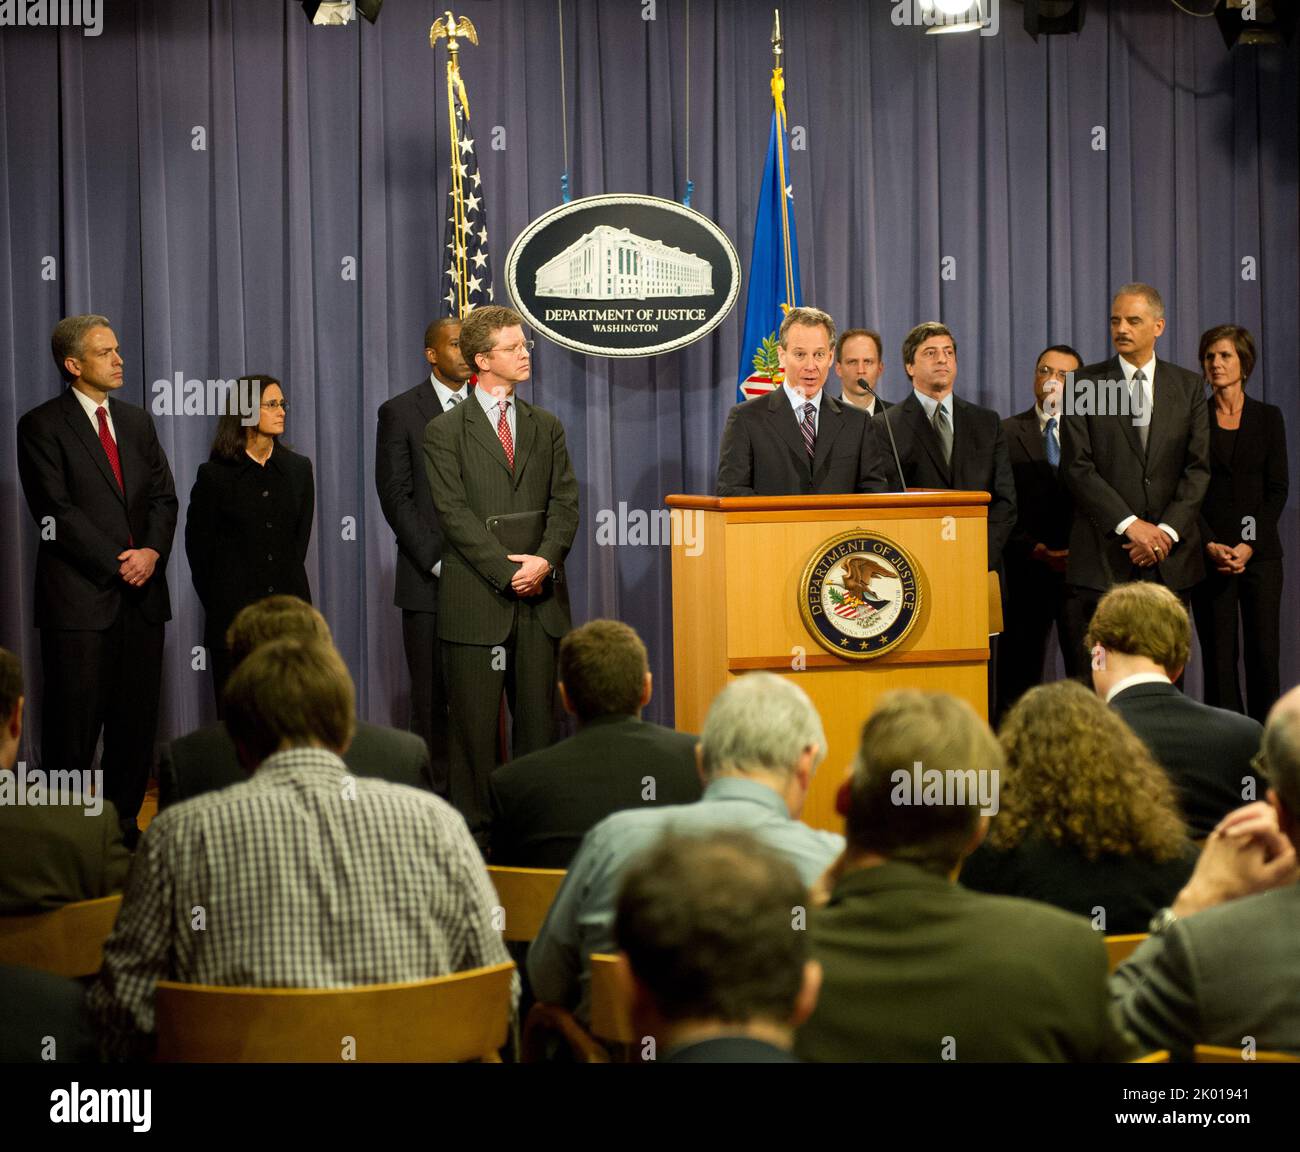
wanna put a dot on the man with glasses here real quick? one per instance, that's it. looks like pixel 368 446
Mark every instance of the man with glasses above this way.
pixel 797 441
pixel 507 501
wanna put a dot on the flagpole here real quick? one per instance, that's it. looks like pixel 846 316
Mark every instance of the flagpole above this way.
pixel 450 28
pixel 778 102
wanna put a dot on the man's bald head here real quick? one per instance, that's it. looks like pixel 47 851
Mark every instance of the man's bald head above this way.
pixel 1281 748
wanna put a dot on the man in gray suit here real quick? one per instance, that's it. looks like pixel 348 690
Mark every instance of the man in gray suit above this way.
pixel 1135 456
pixel 206 760
pixel 507 500
pixel 1220 966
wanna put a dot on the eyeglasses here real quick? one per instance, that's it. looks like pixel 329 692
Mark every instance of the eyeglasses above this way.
pixel 515 349
pixel 282 405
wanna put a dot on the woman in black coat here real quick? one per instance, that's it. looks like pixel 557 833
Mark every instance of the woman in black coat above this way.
pixel 249 521
pixel 1248 490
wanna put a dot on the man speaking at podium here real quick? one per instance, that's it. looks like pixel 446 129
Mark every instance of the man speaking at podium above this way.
pixel 797 441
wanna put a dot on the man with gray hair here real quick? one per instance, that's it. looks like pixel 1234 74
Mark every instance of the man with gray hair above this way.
pixel 1220 964
pixel 100 489
pixel 1135 456
pixel 797 441
pixel 761 743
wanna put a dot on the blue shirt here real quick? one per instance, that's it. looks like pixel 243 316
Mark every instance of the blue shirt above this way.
pixel 581 920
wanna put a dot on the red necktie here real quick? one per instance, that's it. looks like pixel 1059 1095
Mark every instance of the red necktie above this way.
pixel 503 434
pixel 110 447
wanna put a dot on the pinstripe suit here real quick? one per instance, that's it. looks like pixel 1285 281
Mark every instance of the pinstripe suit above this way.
pixel 479 614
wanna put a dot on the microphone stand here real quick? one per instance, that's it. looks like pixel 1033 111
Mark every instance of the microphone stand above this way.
pixel 884 412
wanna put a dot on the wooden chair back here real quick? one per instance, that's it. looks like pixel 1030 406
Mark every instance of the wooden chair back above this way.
pixel 464 1016
pixel 1213 1054
pixel 526 896
pixel 68 941
pixel 1120 948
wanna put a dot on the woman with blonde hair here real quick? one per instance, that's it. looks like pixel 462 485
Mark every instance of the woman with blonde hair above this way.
pixel 1087 819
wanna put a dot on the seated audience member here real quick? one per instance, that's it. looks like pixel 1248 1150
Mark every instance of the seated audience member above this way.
pixel 1222 962
pixel 1087 820
pixel 205 759
pixel 544 803
pixel 66 848
pixel 718 972
pixel 1139 639
pixel 761 743
pixel 43 1018
pixel 311 878
pixel 916 967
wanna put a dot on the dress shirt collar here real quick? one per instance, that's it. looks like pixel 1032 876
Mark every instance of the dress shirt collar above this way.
pixel 798 400
pixel 1042 422
pixel 929 403
pixel 281 768
pixel 1148 370
pixel 1134 680
pixel 89 406
pixel 736 788
pixel 488 403
pixel 445 392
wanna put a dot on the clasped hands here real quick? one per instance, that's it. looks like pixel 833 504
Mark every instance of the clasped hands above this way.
pixel 137 565
pixel 1147 544
pixel 1229 561
pixel 1246 853
pixel 532 574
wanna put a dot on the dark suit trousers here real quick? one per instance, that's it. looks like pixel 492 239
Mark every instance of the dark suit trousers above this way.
pixel 1034 602
pixel 1257 595
pixel 524 666
pixel 108 680
pixel 428 696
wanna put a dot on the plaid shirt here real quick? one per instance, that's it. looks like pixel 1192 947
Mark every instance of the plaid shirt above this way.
pixel 300 877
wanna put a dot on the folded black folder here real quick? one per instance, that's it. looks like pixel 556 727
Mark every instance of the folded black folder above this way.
pixel 519 532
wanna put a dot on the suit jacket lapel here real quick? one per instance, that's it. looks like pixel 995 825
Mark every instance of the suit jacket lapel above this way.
pixel 1026 426
pixel 925 435
pixel 786 422
pixel 481 428
pixel 830 419
pixel 525 434
pixel 76 417
pixel 426 399
pixel 1130 430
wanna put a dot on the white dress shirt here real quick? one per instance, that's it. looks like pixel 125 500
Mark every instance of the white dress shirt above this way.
pixel 90 408
pixel 1148 407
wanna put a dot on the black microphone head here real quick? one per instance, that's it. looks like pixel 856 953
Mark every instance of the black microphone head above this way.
pixel 862 383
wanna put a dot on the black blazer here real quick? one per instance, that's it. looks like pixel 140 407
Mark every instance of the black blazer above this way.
pixel 404 494
pixel 471 480
pixel 1110 477
pixel 66 477
pixel 205 760
pixel 1206 751
pixel 1043 505
pixel 763 452
pixel 544 803
pixel 980 462
pixel 247 532
pixel 1253 482
pixel 1130 889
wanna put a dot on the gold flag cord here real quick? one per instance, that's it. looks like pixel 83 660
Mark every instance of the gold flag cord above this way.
pixel 452 29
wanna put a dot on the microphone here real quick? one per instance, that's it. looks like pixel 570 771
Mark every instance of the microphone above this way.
pixel 884 412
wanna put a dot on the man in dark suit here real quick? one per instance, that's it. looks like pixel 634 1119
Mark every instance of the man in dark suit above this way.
pixel 1139 638
pixel 544 803
pixel 859 358
pixel 206 760
pixel 1135 455
pixel 1038 547
pixel 1220 965
pixel 715 972
pixel 408 507
pixel 945 441
pixel 797 441
pixel 50 853
pixel 507 500
pixel 916 967
pixel 100 489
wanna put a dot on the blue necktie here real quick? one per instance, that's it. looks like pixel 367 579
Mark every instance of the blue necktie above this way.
pixel 1050 446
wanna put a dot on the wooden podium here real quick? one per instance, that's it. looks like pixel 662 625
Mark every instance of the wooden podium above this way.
pixel 737 573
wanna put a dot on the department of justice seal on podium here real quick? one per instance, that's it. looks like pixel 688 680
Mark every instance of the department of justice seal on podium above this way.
pixel 859 594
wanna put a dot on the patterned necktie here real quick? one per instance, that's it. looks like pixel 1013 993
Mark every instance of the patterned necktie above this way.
pixel 943 430
pixel 110 447
pixel 1051 448
pixel 454 399
pixel 1140 407
pixel 503 434
pixel 808 428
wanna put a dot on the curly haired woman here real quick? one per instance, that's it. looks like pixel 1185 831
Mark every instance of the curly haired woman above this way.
pixel 1088 820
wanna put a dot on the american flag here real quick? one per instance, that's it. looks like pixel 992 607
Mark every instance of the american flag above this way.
pixel 467 279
